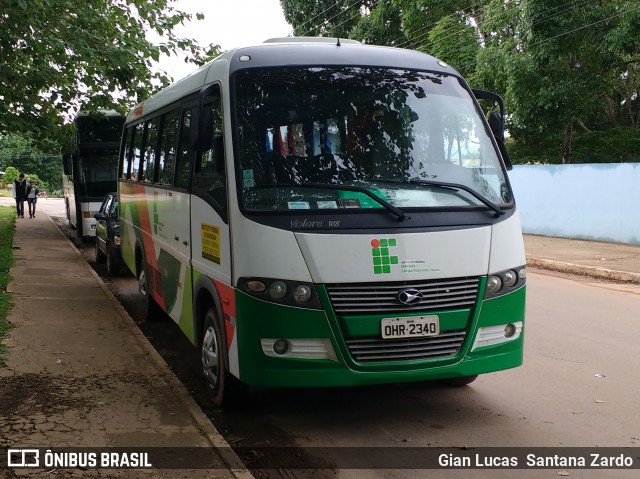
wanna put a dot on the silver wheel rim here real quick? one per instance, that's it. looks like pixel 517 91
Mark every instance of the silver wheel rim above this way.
pixel 210 356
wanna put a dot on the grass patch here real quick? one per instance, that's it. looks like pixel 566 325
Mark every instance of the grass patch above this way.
pixel 7 231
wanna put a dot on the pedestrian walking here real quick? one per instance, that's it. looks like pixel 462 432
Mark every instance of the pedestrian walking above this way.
pixel 32 198
pixel 20 194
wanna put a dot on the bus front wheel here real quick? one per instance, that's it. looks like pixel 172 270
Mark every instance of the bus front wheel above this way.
pixel 225 390
pixel 150 311
pixel 461 381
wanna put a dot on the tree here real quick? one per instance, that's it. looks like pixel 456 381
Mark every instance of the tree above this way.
pixel 58 55
pixel 24 155
pixel 564 68
pixel 10 175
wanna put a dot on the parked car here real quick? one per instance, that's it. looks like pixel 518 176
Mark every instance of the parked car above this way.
pixel 108 234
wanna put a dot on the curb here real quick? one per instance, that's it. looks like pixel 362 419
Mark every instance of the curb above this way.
pixel 591 271
pixel 235 466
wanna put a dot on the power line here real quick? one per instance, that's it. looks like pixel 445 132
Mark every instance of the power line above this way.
pixel 317 27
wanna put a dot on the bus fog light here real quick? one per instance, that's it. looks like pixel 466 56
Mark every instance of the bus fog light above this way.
pixel 494 284
pixel 509 330
pixel 522 273
pixel 510 278
pixel 302 293
pixel 256 286
pixel 281 346
pixel 278 290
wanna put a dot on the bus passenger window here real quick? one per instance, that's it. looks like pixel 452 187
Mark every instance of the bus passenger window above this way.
pixel 150 150
pixel 185 153
pixel 168 142
pixel 126 160
pixel 138 158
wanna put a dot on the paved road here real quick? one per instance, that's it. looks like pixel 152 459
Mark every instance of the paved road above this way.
pixel 578 387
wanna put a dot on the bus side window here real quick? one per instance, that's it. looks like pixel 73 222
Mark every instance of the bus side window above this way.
pixel 185 152
pixel 126 155
pixel 138 158
pixel 168 140
pixel 209 174
pixel 151 147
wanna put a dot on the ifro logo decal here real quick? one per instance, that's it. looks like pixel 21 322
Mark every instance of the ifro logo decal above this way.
pixel 382 259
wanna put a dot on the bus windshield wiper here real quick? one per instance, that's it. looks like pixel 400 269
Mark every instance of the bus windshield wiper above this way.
pixel 457 186
pixel 359 189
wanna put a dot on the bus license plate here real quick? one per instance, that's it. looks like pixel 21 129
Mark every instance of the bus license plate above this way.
pixel 410 327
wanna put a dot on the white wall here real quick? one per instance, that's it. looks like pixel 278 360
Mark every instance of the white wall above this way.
pixel 588 201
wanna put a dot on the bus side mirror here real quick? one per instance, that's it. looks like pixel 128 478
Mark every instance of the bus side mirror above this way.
pixel 67 159
pixel 497 128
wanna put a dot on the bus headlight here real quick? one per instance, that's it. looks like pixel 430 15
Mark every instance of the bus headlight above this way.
pixel 505 281
pixel 256 286
pixel 510 278
pixel 278 290
pixel 302 293
pixel 494 284
pixel 281 291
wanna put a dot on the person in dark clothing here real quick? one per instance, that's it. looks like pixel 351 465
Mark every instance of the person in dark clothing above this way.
pixel 32 198
pixel 20 194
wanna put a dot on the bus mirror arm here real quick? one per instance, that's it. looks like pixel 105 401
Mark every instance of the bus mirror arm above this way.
pixel 496 122
pixel 497 128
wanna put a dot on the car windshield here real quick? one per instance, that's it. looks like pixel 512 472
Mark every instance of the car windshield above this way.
pixel 408 137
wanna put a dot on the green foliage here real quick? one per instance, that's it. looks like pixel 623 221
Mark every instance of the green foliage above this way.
pixel 56 55
pixel 24 155
pixel 10 175
pixel 615 145
pixel 7 231
pixel 569 71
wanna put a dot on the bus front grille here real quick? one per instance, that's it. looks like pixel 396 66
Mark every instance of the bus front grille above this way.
pixel 370 349
pixel 375 298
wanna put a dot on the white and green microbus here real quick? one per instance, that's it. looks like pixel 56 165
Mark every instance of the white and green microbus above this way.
pixel 314 212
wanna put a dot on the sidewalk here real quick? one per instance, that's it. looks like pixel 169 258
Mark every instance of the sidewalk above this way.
pixel 600 260
pixel 79 373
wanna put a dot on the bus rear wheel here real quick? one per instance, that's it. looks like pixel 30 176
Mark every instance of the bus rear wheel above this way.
pixel 225 390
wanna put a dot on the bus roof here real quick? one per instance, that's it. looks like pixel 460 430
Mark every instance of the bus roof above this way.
pixel 99 111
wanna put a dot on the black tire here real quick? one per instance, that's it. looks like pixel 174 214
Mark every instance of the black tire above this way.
pixel 459 382
pixel 226 390
pixel 79 232
pixel 113 266
pixel 99 254
pixel 150 310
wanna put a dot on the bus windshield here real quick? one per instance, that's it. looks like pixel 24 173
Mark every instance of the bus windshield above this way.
pixel 396 133
pixel 98 168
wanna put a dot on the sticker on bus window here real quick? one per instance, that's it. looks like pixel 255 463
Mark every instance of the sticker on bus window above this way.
pixel 247 179
pixel 298 205
pixel 323 205
pixel 350 202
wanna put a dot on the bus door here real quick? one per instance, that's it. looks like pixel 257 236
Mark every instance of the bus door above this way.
pixel 211 248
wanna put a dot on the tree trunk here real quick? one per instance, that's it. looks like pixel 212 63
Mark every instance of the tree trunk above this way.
pixel 566 147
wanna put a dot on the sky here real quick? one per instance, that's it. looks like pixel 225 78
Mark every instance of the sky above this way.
pixel 230 24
